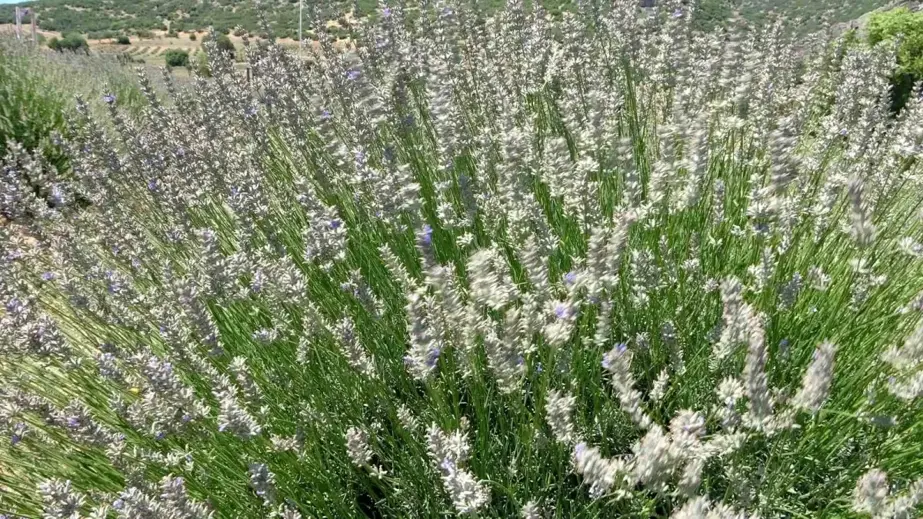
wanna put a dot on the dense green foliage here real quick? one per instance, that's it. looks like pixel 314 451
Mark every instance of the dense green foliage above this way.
pixel 224 43
pixel 905 26
pixel 71 42
pixel 176 58
pixel 30 108
pixel 38 89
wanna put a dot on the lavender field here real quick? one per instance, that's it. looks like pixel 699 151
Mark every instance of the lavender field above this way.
pixel 490 265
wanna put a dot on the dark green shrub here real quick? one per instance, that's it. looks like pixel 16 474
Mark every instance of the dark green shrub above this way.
pixel 192 36
pixel 224 43
pixel 123 40
pixel 73 42
pixel 176 58
pixel 906 26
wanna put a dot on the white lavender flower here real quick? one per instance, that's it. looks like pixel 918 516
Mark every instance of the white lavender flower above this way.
pixel 817 379
pixel 353 350
pixel 618 362
pixel 558 410
pixel 908 384
pixel 905 505
pixel 861 228
pixel 755 380
pixel 251 392
pixel 729 391
pixel 60 500
pixel 425 344
pixel 531 510
pixel 701 508
pixel 407 418
pixel 655 458
pixel 263 482
pixel 448 454
pixel 232 416
pixel 599 472
pixel 659 389
pixel 357 447
pixel 489 279
pixel 736 316
pixel 871 494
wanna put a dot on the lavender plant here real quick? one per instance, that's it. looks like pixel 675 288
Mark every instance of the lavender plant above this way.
pixel 595 265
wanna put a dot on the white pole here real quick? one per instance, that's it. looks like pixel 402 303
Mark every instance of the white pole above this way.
pixel 300 13
pixel 18 17
pixel 34 31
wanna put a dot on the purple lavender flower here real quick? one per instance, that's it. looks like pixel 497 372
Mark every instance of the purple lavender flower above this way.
pixel 570 278
pixel 109 99
pixel 579 448
pixel 352 74
pixel 118 504
pixel 386 12
pixel 562 311
pixel 433 357
pixel 47 276
pixel 335 224
pixel 14 306
pixel 427 237
pixel 325 114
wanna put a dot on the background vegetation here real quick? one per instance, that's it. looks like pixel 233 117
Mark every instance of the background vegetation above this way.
pixel 106 18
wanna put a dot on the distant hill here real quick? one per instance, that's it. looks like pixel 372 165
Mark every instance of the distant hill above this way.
pixel 102 17
pixel 98 16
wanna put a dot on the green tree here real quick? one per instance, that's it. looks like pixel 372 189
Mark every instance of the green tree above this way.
pixel 224 43
pixel 73 42
pixel 710 14
pixel 907 27
pixel 123 40
pixel 176 58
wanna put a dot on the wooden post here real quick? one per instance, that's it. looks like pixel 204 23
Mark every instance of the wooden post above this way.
pixel 18 20
pixel 34 26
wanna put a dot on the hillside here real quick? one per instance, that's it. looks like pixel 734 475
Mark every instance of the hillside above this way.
pixel 98 16
pixel 104 16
